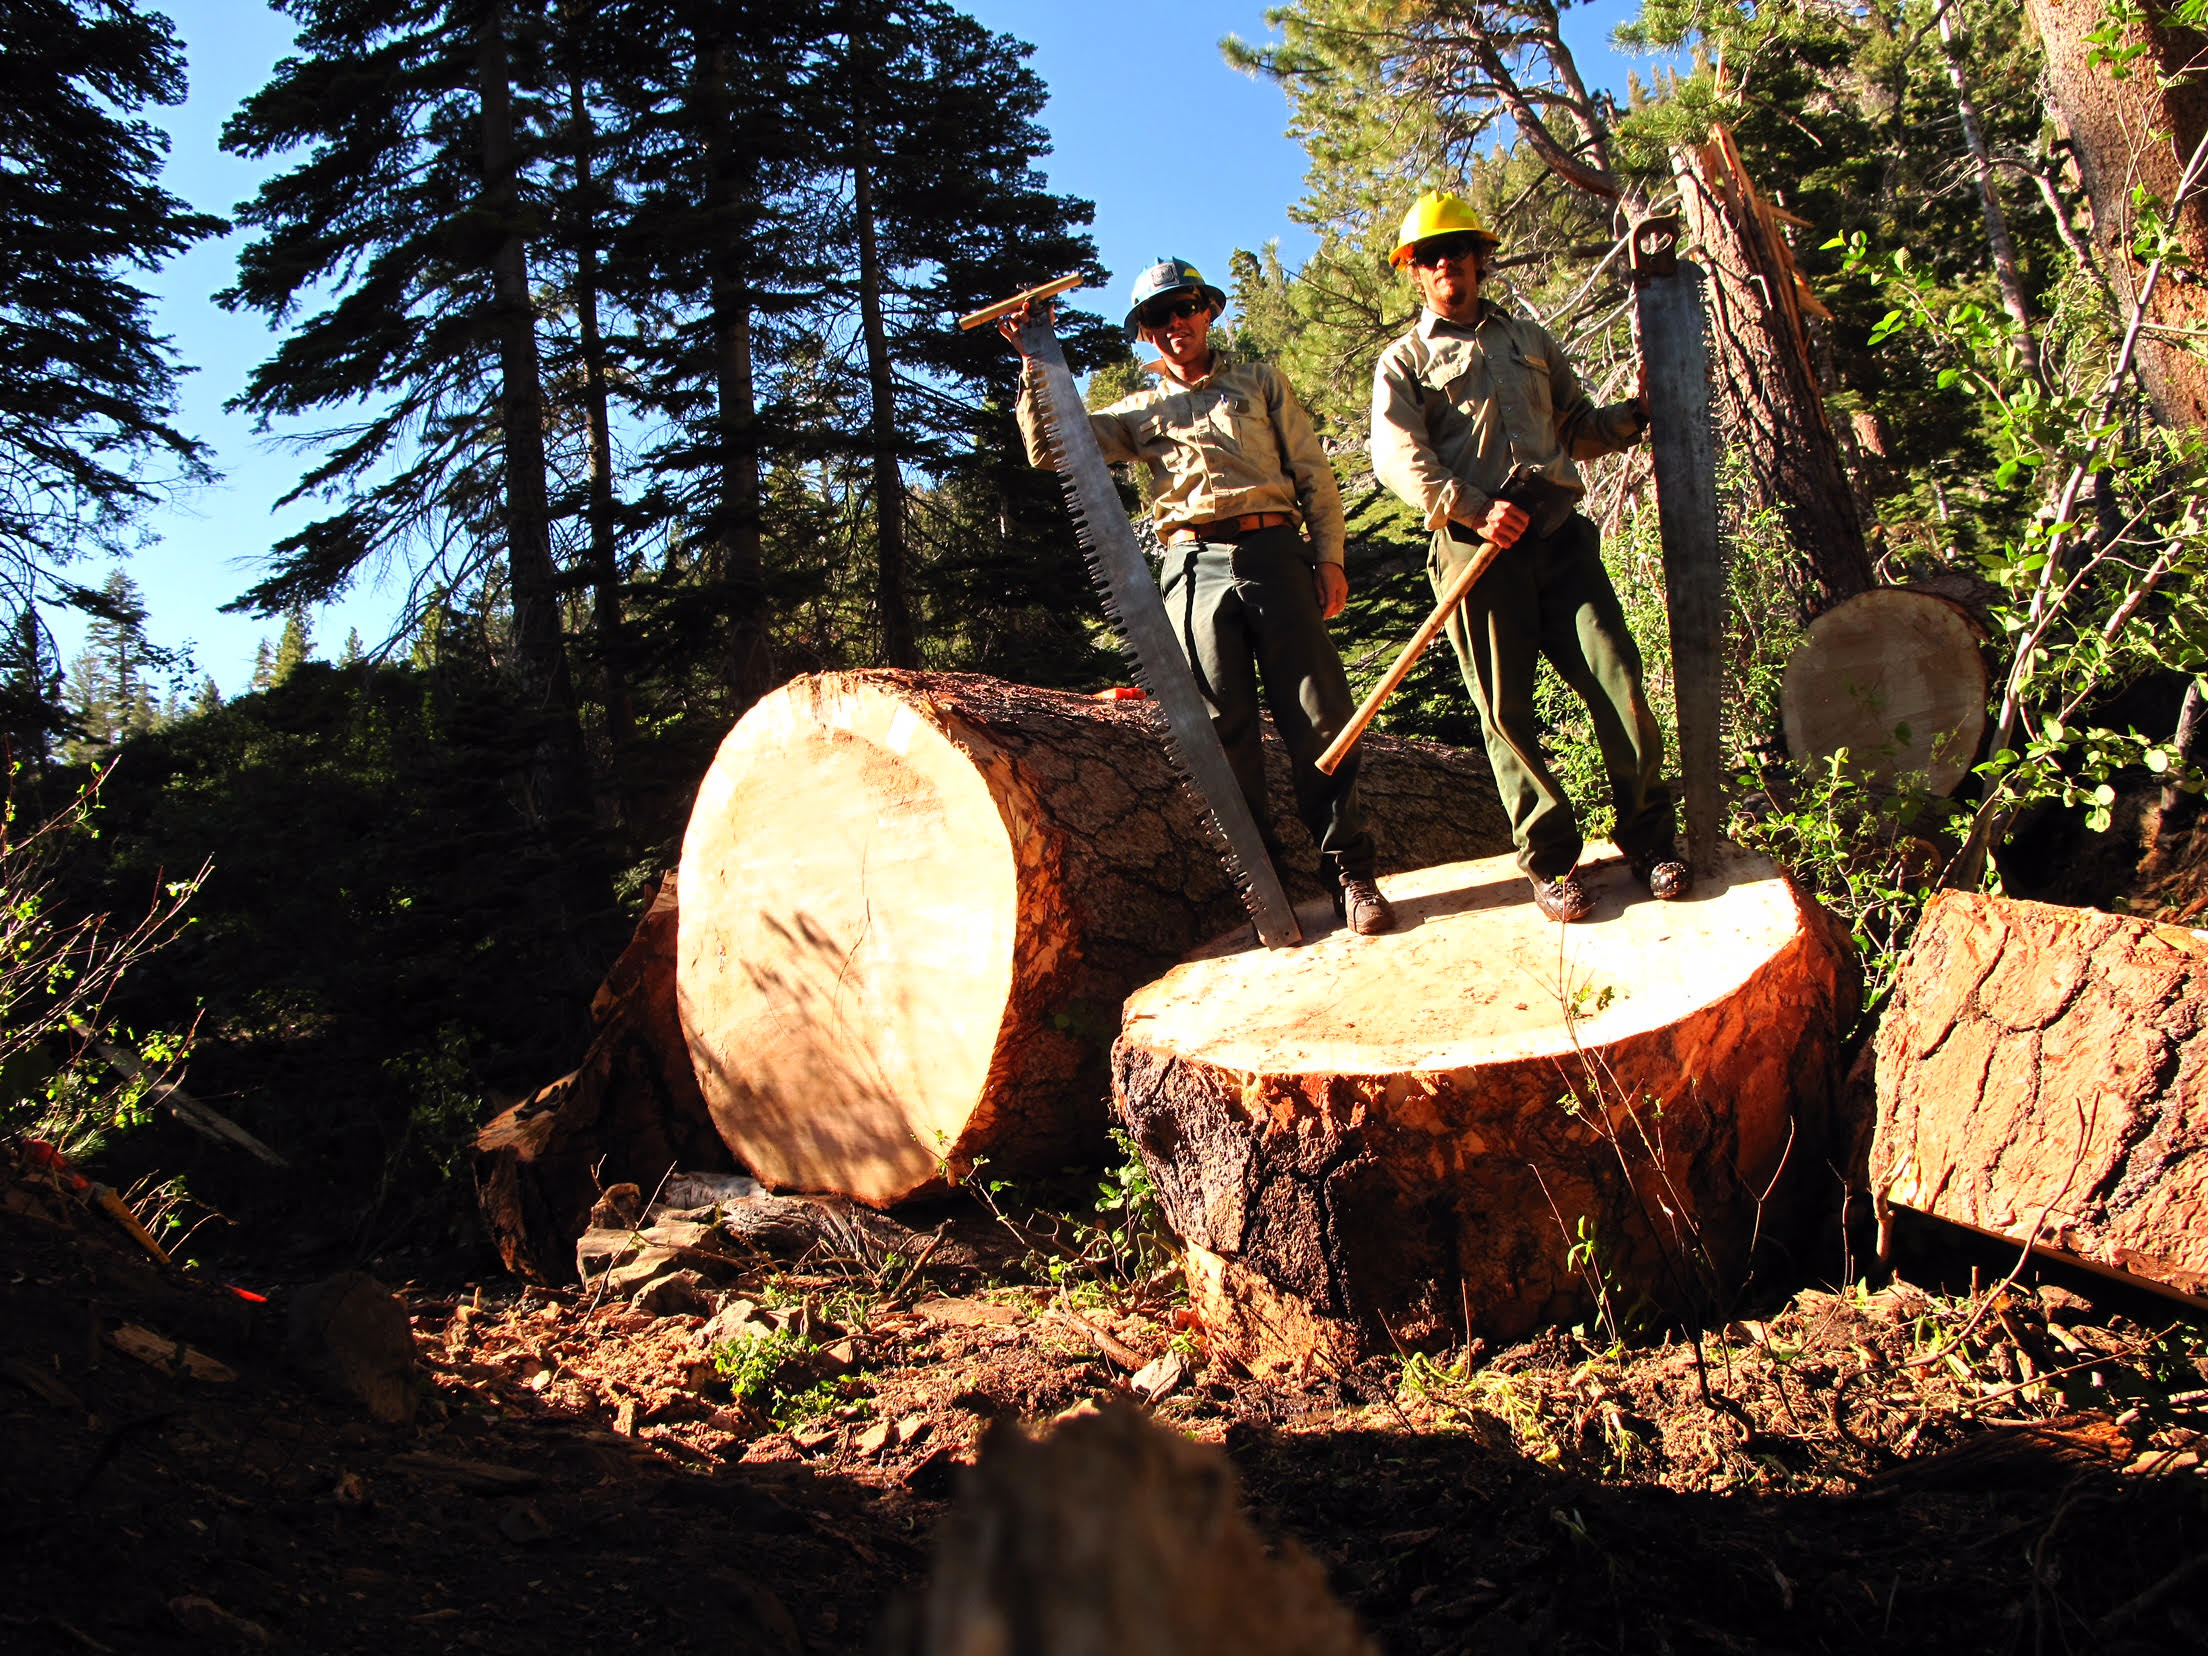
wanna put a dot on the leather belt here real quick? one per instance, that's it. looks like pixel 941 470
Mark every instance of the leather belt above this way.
pixel 1225 529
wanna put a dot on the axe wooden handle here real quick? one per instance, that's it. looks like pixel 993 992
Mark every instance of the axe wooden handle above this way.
pixel 989 313
pixel 1451 596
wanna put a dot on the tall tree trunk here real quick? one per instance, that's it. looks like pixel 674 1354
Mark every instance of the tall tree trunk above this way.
pixel 558 784
pixel 891 597
pixel 2133 134
pixel 605 566
pixel 731 190
pixel 1769 402
pixel 1997 222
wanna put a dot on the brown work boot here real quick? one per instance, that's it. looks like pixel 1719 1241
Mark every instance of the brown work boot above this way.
pixel 1358 903
pixel 1662 870
pixel 1563 899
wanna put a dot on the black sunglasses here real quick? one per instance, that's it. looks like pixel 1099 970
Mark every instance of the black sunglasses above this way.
pixel 1440 249
pixel 1158 312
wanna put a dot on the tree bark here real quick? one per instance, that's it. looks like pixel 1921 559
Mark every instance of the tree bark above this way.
pixel 891 596
pixel 1768 399
pixel 2131 134
pixel 2040 1076
pixel 559 783
pixel 605 564
pixel 1482 1123
pixel 731 185
pixel 912 904
pixel 1998 244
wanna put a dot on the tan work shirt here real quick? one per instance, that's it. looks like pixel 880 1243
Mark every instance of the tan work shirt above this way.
pixel 1457 406
pixel 1229 444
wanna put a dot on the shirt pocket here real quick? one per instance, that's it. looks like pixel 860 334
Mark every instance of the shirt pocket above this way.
pixel 1532 374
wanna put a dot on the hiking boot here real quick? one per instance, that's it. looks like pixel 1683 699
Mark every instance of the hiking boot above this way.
pixel 1563 899
pixel 1662 870
pixel 1358 904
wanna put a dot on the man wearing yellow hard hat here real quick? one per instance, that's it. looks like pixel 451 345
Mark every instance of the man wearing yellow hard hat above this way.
pixel 1477 418
pixel 1236 473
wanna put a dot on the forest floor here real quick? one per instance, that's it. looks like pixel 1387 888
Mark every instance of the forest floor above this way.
pixel 2016 1468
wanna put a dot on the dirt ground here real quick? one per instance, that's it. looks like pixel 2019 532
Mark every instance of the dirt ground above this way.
pixel 1892 1470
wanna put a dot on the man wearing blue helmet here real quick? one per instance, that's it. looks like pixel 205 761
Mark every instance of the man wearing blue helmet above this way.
pixel 1236 471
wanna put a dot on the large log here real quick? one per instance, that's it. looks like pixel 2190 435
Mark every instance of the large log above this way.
pixel 912 903
pixel 1400 1140
pixel 2040 1076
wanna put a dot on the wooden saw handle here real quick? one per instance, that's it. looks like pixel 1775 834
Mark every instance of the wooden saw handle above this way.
pixel 989 313
pixel 1451 596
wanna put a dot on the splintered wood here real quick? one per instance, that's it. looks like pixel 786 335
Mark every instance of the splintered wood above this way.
pixel 1451 1129
pixel 2040 1077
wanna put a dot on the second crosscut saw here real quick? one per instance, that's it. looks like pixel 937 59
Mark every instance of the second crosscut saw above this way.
pixel 1131 599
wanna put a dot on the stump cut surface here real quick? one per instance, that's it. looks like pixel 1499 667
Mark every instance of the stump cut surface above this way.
pixel 1400 1139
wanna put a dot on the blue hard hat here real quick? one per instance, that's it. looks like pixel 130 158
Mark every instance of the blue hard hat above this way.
pixel 1169 276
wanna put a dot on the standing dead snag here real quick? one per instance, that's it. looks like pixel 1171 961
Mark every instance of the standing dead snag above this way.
pixel 1376 1141
pixel 912 903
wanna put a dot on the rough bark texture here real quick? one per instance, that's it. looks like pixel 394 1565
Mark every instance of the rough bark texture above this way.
pixel 1114 1534
pixel 631 1113
pixel 1899 679
pixel 2043 1065
pixel 1768 402
pixel 2129 134
pixel 1390 1152
pixel 1017 861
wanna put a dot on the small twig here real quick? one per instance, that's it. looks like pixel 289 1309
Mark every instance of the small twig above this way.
pixel 2140 1603
pixel 1124 1355
pixel 920 1263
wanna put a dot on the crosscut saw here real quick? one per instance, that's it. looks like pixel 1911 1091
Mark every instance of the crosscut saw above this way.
pixel 1671 320
pixel 1132 600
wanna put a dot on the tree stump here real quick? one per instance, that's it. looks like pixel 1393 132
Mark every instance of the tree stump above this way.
pixel 1898 678
pixel 2040 1077
pixel 1483 1122
pixel 912 903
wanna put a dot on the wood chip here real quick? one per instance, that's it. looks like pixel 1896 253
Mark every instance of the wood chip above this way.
pixel 160 1352
pixel 872 1441
pixel 469 1474
pixel 39 1383
pixel 967 1313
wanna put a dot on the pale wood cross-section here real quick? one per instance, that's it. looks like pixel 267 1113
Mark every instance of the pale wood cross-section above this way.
pixel 1384 1140
pixel 1897 678
pixel 911 904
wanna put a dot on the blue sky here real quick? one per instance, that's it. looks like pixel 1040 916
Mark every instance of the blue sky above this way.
pixel 1179 153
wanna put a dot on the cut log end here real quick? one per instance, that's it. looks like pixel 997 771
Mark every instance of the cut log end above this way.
pixel 849 910
pixel 1895 677
pixel 1385 1140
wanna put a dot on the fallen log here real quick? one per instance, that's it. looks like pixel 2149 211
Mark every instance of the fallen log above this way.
pixel 2040 1075
pixel 1897 678
pixel 912 903
pixel 631 1112
pixel 1484 1122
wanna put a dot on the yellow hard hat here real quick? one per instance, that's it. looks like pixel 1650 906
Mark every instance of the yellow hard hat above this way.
pixel 1437 213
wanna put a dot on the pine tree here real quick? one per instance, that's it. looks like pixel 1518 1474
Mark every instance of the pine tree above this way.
pixel 294 649
pixel 264 667
pixel 413 210
pixel 354 651
pixel 109 688
pixel 87 387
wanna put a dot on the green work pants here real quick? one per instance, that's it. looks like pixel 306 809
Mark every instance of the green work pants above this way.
pixel 1549 595
pixel 1250 608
